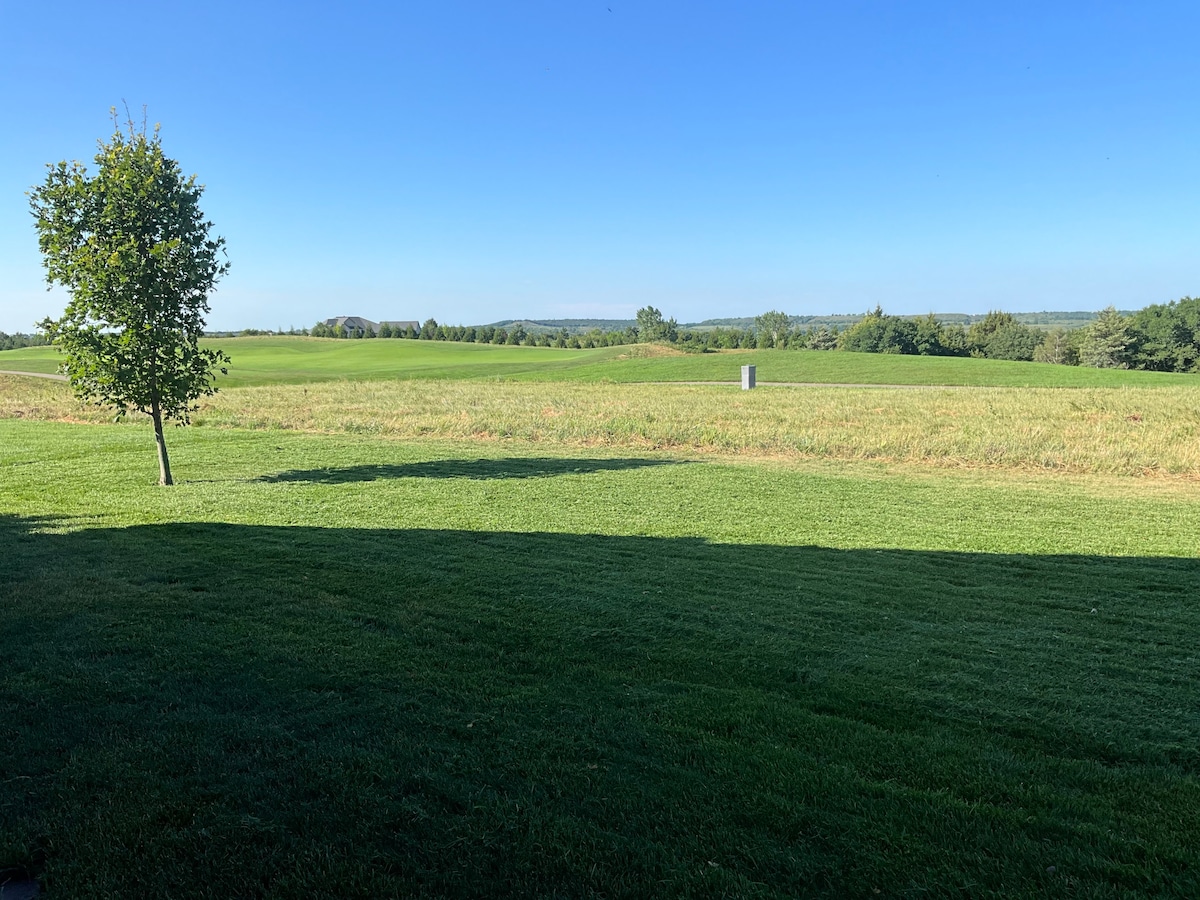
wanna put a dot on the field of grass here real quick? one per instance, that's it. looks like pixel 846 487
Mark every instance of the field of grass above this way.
pixel 297 360
pixel 447 668
pixel 494 638
pixel 1122 431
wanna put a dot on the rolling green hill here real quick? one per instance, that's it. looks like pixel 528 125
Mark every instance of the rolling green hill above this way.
pixel 297 360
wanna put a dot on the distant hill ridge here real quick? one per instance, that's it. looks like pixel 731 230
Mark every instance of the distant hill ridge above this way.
pixel 1044 319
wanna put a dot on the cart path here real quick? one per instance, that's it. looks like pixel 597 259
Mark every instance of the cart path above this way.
pixel 50 375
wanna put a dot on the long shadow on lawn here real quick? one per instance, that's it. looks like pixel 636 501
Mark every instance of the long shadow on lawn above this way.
pixel 227 710
pixel 476 469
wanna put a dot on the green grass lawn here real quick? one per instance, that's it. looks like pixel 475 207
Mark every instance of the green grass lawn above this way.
pixel 422 669
pixel 296 360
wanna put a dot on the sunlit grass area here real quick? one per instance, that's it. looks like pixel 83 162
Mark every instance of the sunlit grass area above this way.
pixel 1126 431
pixel 299 360
pixel 403 668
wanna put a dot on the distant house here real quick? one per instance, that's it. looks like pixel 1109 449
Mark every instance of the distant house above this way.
pixel 353 324
pixel 415 326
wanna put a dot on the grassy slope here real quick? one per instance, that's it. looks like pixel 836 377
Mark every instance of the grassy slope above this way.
pixel 462 669
pixel 283 360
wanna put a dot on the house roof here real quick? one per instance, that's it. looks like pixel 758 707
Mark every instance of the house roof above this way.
pixel 353 323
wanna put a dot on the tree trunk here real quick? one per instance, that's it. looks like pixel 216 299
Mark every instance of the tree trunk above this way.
pixel 164 464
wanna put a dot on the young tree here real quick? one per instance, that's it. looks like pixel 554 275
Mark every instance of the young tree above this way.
pixel 134 252
pixel 652 327
pixel 1058 347
pixel 820 338
pixel 773 326
pixel 1105 343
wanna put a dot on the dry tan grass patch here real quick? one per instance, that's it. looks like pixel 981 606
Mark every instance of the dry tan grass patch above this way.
pixel 1140 432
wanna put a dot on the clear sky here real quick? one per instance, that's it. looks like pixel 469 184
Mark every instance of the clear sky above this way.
pixel 475 161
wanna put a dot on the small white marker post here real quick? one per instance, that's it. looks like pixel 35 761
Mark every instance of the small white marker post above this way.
pixel 747 377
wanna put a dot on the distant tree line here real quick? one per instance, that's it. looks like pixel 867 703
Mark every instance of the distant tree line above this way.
pixel 18 340
pixel 1161 337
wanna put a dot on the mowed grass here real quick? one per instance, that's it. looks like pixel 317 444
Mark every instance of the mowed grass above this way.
pixel 299 360
pixel 352 666
pixel 1123 431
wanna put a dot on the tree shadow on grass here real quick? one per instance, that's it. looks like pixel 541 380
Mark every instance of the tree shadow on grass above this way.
pixel 397 712
pixel 474 469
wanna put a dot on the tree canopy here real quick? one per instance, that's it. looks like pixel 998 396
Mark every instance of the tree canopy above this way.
pixel 773 328
pixel 134 252
pixel 652 327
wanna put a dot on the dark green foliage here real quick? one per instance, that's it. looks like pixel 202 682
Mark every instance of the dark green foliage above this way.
pixel 880 333
pixel 18 340
pixel 429 329
pixel 1000 336
pixel 1060 347
pixel 1166 337
pixel 651 326
pixel 1105 343
pixel 932 338
pixel 1014 341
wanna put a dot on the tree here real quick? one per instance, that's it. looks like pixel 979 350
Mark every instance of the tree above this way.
pixel 134 252
pixel 1058 347
pixel 1000 336
pixel 1105 343
pixel 774 327
pixel 877 332
pixel 932 338
pixel 820 338
pixel 1166 337
pixel 652 327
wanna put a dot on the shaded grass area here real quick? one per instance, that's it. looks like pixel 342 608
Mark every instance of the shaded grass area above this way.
pixel 478 469
pixel 214 710
pixel 489 672
pixel 299 360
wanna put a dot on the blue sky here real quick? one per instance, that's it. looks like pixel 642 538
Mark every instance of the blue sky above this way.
pixel 476 161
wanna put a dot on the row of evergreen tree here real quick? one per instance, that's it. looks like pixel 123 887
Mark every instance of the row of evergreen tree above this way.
pixel 1161 337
